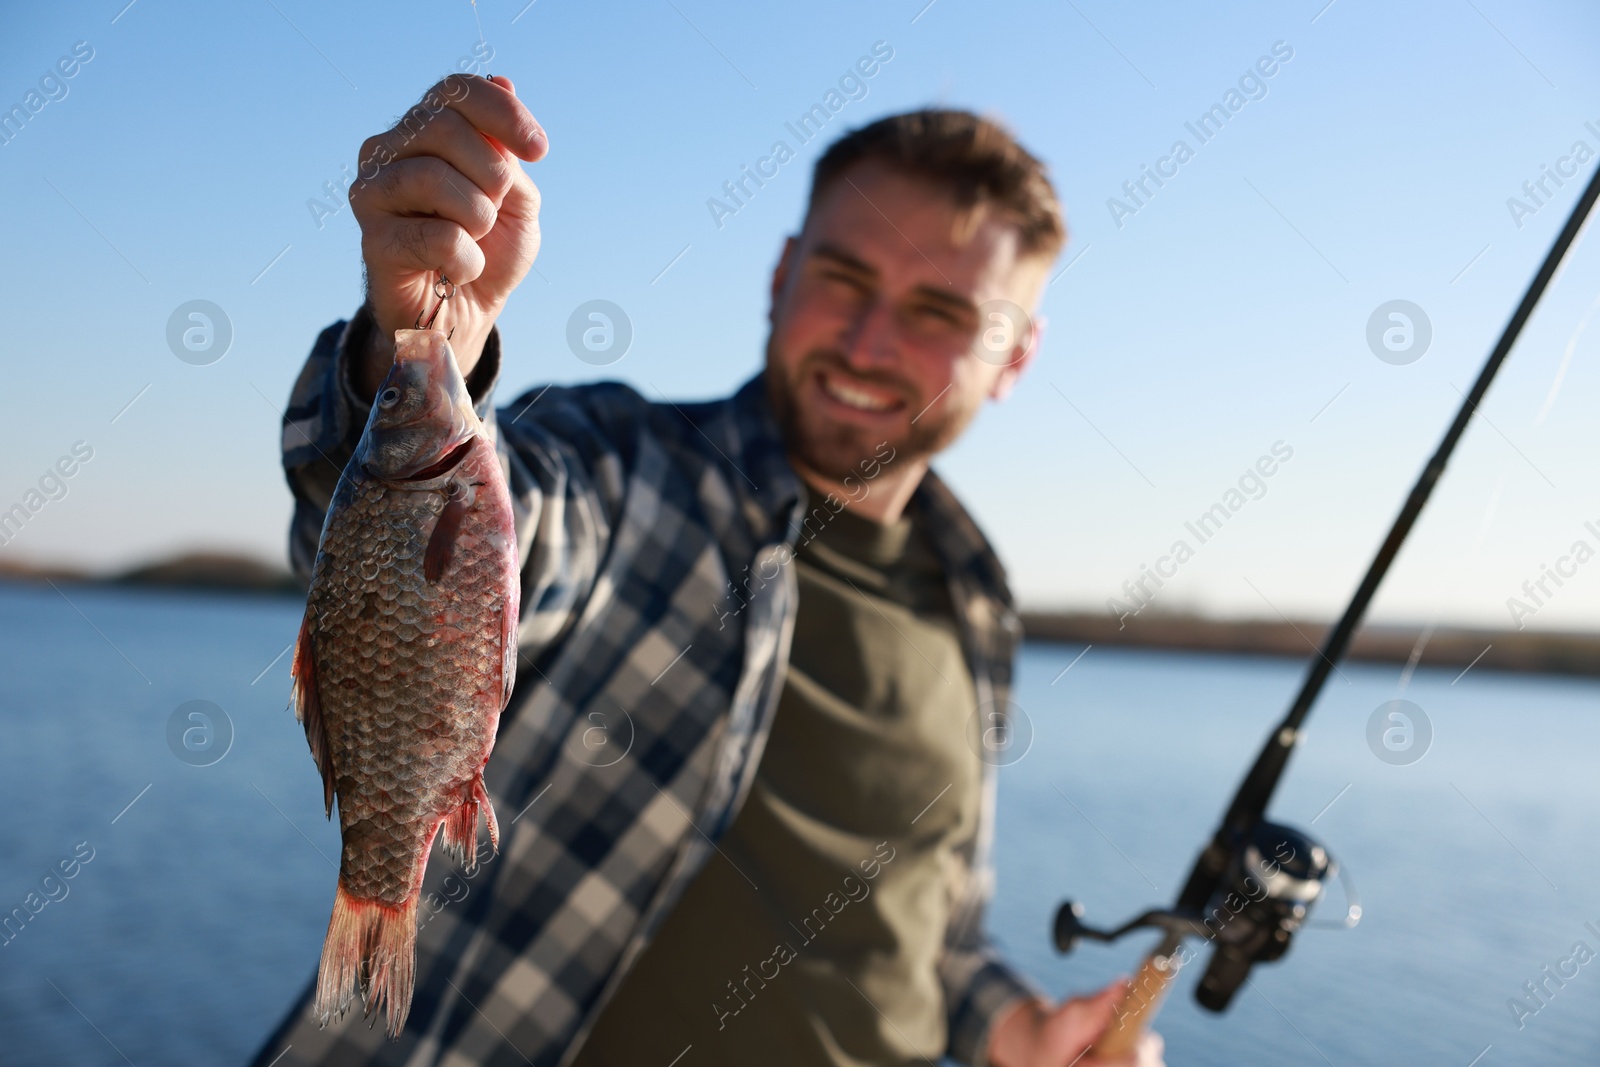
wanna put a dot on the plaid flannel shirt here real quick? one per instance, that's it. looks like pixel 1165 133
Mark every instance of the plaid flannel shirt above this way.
pixel 633 519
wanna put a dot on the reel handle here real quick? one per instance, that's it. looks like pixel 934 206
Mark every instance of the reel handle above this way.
pixel 1139 1004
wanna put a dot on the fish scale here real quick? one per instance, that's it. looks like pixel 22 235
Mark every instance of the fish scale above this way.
pixel 405 662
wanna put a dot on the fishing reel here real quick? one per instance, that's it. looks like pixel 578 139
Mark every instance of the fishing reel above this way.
pixel 1250 909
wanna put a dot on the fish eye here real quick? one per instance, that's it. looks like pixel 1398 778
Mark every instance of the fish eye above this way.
pixel 389 397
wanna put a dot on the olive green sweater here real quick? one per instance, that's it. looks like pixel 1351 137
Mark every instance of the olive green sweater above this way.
pixel 812 938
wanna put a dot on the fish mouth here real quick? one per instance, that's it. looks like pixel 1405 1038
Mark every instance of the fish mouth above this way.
pixel 444 466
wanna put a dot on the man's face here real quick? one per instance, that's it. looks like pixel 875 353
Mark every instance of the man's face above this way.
pixel 890 320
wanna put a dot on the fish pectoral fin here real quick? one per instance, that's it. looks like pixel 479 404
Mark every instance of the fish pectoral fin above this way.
pixel 308 708
pixel 442 542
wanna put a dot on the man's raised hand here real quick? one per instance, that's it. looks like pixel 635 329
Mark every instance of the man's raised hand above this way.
pixel 442 190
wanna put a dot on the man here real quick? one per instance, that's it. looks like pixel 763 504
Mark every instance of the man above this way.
pixel 747 811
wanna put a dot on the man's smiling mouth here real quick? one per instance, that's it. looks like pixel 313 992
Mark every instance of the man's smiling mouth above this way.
pixel 858 395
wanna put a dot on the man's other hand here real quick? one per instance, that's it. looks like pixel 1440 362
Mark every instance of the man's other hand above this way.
pixel 1037 1034
pixel 443 190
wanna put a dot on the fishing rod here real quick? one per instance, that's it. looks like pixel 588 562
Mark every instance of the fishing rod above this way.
pixel 1255 882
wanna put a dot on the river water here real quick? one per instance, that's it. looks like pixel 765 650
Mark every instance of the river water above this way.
pixel 199 895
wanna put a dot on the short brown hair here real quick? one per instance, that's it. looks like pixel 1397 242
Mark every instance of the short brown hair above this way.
pixel 976 158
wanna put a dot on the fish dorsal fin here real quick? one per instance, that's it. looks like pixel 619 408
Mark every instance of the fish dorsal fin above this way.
pixel 308 708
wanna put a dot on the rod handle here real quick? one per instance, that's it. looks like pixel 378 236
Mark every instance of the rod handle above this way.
pixel 1137 1008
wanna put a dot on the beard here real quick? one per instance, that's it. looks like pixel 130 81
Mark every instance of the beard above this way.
pixel 836 449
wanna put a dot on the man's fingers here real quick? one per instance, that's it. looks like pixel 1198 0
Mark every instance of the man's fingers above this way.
pixel 425 185
pixel 1100 1013
pixel 505 83
pixel 404 244
pixel 522 199
pixel 451 138
pixel 493 109
pixel 458 119
pixel 1105 1003
pixel 444 191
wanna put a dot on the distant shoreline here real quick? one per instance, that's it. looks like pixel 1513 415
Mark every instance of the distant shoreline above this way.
pixel 218 571
pixel 1533 651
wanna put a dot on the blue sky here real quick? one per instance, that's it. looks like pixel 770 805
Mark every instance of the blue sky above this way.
pixel 1192 335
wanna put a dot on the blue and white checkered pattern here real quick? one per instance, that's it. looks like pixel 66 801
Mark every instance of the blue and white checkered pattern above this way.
pixel 633 517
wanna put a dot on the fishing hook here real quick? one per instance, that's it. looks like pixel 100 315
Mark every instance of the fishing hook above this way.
pixel 444 289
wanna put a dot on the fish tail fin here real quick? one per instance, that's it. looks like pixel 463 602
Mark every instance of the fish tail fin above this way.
pixel 460 829
pixel 371 948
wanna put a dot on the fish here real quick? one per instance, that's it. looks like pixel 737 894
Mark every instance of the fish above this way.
pixel 406 659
